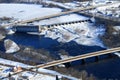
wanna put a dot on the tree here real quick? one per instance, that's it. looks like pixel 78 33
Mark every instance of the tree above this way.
pixel 57 77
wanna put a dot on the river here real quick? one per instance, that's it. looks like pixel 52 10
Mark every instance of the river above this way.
pixel 106 68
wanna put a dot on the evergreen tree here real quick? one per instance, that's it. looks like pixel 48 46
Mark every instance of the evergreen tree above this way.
pixel 57 77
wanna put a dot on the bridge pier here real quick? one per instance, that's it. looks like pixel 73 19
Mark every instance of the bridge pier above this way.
pixel 83 61
pixel 96 58
pixel 110 55
pixel 67 65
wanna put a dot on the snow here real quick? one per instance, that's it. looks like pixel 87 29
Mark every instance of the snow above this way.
pixel 61 19
pixel 32 75
pixel 57 3
pixel 71 5
pixel 1 37
pixel 42 77
pixel 11 46
pixel 109 10
pixel 117 28
pixel 106 7
pixel 25 11
pixel 84 33
pixel 13 63
pixel 96 2
pixel 10 32
pixel 117 53
pixel 54 72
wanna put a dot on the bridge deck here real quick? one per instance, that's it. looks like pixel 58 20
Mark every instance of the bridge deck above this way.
pixel 96 15
pixel 84 56
pixel 101 17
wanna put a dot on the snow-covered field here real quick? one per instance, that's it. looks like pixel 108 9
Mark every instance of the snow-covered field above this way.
pixel 25 11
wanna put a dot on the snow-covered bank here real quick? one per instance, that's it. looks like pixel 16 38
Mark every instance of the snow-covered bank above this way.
pixel 11 46
pixel 31 75
pixel 2 36
pixel 117 53
pixel 25 11
pixel 54 72
pixel 13 63
pixel 113 10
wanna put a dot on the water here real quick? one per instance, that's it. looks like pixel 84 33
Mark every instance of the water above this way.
pixel 106 69
pixel 32 40
pixel 2 46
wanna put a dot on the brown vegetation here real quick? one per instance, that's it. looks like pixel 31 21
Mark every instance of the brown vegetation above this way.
pixel 66 37
pixel 31 54
pixel 75 73
pixel 109 39
pixel 34 56
pixel 2 31
pixel 11 57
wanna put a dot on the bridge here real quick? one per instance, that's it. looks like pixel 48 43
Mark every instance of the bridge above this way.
pixel 67 12
pixel 58 14
pixel 37 28
pixel 57 62
pixel 84 56
pixel 102 17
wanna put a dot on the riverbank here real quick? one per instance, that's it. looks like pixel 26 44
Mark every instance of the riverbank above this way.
pixel 29 55
pixel 111 38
